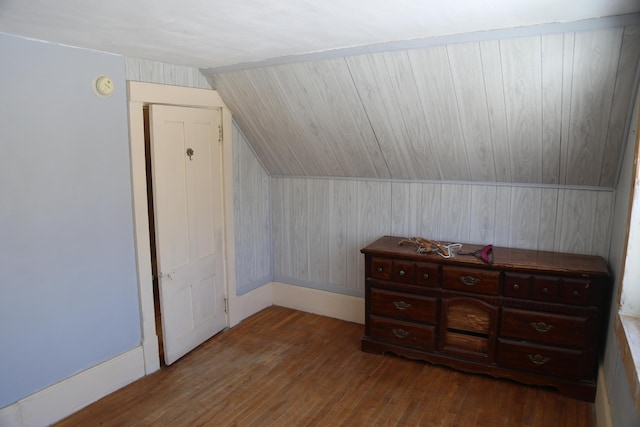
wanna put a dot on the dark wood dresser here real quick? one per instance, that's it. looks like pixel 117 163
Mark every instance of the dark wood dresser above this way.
pixel 531 316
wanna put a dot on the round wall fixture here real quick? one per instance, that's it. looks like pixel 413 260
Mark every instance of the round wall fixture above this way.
pixel 103 86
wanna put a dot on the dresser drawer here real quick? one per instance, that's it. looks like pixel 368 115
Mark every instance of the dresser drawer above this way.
pixel 572 291
pixel 404 271
pixel 518 285
pixel 541 359
pixel 402 333
pixel 381 268
pixel 471 280
pixel 428 274
pixel 576 291
pixel 403 306
pixel 546 328
pixel 546 288
pixel 397 270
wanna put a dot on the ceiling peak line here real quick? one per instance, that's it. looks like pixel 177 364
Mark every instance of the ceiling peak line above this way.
pixel 479 36
pixel 452 182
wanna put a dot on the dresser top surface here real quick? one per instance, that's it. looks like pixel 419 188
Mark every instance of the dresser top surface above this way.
pixel 503 258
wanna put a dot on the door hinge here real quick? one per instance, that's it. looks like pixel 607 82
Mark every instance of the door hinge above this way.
pixel 219 133
pixel 226 305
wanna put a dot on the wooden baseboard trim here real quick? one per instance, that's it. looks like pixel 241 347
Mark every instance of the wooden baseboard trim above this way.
pixel 338 306
pixel 68 396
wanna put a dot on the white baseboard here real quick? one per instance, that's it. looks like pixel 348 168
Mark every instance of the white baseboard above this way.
pixel 344 307
pixel 241 307
pixel 601 404
pixel 68 396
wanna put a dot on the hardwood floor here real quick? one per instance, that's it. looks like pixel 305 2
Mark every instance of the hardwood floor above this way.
pixel 283 367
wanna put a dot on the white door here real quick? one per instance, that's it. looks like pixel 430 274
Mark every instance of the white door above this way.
pixel 186 155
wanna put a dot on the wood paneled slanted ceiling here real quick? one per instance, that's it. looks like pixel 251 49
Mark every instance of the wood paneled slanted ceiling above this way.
pixel 543 109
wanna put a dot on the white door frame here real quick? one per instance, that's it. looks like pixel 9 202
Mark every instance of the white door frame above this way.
pixel 141 94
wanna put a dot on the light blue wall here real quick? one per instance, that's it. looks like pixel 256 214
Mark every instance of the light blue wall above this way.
pixel 68 288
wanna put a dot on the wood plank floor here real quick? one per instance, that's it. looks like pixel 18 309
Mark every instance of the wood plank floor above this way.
pixel 283 367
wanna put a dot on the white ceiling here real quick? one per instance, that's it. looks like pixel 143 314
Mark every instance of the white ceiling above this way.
pixel 214 33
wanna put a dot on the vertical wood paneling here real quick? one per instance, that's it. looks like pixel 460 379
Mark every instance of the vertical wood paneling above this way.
pixel 547 109
pixel 494 87
pixel 252 201
pixel 409 112
pixel 622 99
pixel 567 85
pixel 455 213
pixel 381 106
pixel 552 61
pixel 604 206
pixel 353 274
pixel 525 213
pixel 257 101
pixel 503 216
pixel 521 70
pixel 547 220
pixel 177 73
pixel 466 71
pixel 318 226
pixel 595 64
pixel 252 109
pixel 429 212
pixel 338 217
pixel 152 71
pixel 406 203
pixel 291 101
pixel 281 229
pixel 531 110
pixel 434 84
pixel 578 221
pixel 483 214
pixel 358 212
pixel 284 135
pixel 142 70
pixel 343 117
pixel 299 237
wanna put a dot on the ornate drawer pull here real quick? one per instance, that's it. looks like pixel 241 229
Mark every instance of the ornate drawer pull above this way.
pixel 380 269
pixel 541 327
pixel 402 273
pixel 538 359
pixel 400 333
pixel 425 275
pixel 469 280
pixel 401 305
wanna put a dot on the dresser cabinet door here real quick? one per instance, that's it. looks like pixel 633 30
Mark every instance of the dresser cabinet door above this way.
pixel 467 327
